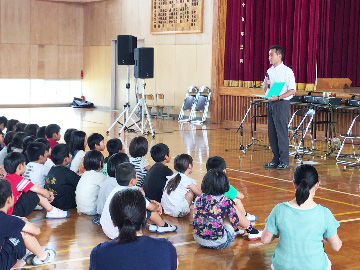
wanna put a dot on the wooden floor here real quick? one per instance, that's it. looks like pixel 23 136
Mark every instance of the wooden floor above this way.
pixel 73 238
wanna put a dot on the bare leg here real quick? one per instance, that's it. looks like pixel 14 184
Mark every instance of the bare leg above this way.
pixel 32 244
pixel 244 222
pixel 240 206
pixel 189 196
pixel 156 219
pixel 45 203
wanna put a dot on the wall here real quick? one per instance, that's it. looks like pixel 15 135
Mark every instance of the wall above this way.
pixel 180 60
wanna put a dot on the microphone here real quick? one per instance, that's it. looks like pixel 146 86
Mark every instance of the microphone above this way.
pixel 268 77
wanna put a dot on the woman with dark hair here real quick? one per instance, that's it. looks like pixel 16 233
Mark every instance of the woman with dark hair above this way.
pixel 131 249
pixel 302 227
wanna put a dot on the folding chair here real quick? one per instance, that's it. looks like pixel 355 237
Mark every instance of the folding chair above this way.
pixel 189 104
pixel 202 105
pixel 307 116
pixel 349 135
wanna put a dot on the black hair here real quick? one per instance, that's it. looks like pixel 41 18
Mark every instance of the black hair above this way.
pixel 115 160
pixel 124 173
pixel 20 127
pixel 35 150
pixel 278 50
pixel 215 163
pixel 215 182
pixel 45 142
pixel 9 137
pixel 67 135
pixel 51 129
pixel 159 151
pixel 77 141
pixel 3 120
pixel 59 152
pixel 5 191
pixel 17 141
pixel 94 139
pixel 31 129
pixel 41 132
pixel 93 160
pixel 128 212
pixel 305 177
pixel 113 146
pixel 12 161
pixel 11 124
pixel 138 147
pixel 181 164
pixel 28 140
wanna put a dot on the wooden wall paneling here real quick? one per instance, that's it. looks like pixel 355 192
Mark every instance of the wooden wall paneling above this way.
pixel 13 63
pixel 44 62
pixel 71 24
pixel 113 22
pixel 44 22
pixel 15 21
pixel 94 24
pixel 70 62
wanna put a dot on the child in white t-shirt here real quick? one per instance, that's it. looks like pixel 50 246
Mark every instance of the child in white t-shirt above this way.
pixel 180 190
pixel 36 171
pixel 77 149
pixel 87 190
pixel 49 163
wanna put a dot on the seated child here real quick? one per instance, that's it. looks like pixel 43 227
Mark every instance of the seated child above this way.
pixel 96 142
pixel 155 178
pixel 26 142
pixel 180 190
pixel 218 163
pixel 17 144
pixel 17 235
pixel 53 135
pixel 3 122
pixel 61 180
pixel 110 182
pixel 41 132
pixel 49 163
pixel 302 226
pixel 7 139
pixel 67 136
pixel 113 146
pixel 31 129
pixel 26 194
pixel 36 171
pixel 126 178
pixel 128 213
pixel 138 148
pixel 20 127
pixel 87 190
pixel 11 125
pixel 77 149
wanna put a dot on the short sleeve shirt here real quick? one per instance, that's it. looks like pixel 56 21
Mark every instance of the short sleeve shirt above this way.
pixel 140 165
pixel 232 193
pixel 282 73
pixel 36 173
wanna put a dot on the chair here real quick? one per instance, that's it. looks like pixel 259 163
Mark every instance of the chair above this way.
pixel 189 103
pixel 202 105
pixel 349 135
pixel 150 102
pixel 160 105
pixel 307 116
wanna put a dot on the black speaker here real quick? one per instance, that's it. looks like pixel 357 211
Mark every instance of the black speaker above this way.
pixel 126 45
pixel 144 63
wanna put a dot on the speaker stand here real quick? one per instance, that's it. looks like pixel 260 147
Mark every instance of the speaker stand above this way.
pixel 144 109
pixel 125 112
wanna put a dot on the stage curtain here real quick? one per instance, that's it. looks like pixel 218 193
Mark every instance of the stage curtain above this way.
pixel 308 30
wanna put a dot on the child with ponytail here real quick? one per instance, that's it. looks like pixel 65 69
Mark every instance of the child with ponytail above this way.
pixel 302 227
pixel 180 190
pixel 128 213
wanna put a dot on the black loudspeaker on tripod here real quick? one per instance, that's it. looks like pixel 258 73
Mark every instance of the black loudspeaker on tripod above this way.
pixel 126 45
pixel 144 63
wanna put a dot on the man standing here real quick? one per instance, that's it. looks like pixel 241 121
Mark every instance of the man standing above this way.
pixel 279 108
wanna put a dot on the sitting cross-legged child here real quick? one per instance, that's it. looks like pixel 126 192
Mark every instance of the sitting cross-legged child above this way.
pixel 126 178
pixel 27 195
pixel 49 163
pixel 18 234
pixel 77 149
pixel 96 142
pixel 53 135
pixel 61 180
pixel 138 148
pixel 87 190
pixel 113 146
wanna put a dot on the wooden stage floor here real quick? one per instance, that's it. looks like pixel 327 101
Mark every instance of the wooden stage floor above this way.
pixel 74 238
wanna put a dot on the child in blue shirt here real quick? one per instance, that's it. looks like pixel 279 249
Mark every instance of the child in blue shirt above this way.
pixel 302 227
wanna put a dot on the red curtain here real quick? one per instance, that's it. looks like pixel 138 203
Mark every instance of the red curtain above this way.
pixel 308 30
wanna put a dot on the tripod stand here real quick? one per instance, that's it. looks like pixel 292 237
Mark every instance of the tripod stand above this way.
pixel 125 112
pixel 141 103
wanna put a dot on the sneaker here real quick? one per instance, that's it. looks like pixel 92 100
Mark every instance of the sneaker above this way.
pixel 96 220
pixel 270 165
pixel 254 235
pixel 239 232
pixel 166 228
pixel 153 228
pixel 28 257
pixel 38 208
pixel 50 256
pixel 282 166
pixel 251 217
pixel 57 213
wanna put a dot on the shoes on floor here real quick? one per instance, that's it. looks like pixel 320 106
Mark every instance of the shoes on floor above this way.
pixel 166 228
pixel 57 213
pixel 50 256
pixel 29 257
pixel 96 220
pixel 153 228
pixel 239 232
pixel 254 234
pixel 270 164
pixel 282 166
pixel 251 217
